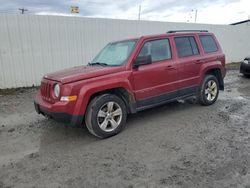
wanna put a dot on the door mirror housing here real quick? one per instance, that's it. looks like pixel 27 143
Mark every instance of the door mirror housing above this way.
pixel 142 60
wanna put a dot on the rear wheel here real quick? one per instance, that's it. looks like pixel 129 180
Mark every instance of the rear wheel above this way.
pixel 209 90
pixel 106 115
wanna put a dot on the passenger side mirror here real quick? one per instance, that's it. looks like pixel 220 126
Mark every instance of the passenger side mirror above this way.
pixel 142 60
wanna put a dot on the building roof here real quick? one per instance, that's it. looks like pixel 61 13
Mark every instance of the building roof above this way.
pixel 241 22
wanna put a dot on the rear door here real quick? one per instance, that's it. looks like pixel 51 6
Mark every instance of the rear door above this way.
pixel 188 64
pixel 156 82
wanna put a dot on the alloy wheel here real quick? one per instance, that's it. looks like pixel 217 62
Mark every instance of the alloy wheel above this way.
pixel 109 116
pixel 211 90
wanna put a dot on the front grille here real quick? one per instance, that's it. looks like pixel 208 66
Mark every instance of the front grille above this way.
pixel 46 88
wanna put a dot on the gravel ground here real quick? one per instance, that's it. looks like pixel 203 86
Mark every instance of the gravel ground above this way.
pixel 175 145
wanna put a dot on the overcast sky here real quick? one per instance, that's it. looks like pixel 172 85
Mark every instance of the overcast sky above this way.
pixel 208 11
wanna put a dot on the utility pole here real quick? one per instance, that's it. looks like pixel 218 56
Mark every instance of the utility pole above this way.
pixel 195 18
pixel 193 12
pixel 23 10
pixel 139 15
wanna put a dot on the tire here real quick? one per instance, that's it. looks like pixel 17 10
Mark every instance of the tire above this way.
pixel 246 75
pixel 100 118
pixel 209 90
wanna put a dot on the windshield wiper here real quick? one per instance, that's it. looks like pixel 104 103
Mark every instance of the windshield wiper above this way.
pixel 98 63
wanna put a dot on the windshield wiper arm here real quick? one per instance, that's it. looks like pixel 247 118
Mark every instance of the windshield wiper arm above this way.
pixel 98 63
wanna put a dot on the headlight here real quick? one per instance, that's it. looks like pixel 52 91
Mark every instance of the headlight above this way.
pixel 245 61
pixel 57 90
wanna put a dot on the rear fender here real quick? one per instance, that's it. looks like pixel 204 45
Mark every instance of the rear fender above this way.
pixel 214 68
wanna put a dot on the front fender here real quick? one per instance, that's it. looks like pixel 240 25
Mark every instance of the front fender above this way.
pixel 91 88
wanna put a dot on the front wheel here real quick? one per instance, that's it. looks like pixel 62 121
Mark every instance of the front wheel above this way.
pixel 209 90
pixel 106 115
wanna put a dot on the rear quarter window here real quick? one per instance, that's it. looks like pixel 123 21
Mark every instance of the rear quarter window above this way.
pixel 208 43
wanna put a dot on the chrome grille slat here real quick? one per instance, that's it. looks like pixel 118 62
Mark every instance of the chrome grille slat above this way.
pixel 45 89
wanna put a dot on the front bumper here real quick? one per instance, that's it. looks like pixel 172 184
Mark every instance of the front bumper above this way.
pixel 56 112
pixel 245 68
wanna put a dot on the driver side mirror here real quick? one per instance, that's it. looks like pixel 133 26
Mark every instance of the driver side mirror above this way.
pixel 142 60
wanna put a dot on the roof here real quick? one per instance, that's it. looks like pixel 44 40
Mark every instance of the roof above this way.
pixel 168 33
pixel 177 33
pixel 241 22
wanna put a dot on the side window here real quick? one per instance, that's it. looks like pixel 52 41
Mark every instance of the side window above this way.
pixel 158 49
pixel 186 46
pixel 208 44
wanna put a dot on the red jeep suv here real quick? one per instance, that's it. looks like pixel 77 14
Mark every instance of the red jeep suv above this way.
pixel 132 75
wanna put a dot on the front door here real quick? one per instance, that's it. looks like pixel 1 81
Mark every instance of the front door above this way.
pixel 155 83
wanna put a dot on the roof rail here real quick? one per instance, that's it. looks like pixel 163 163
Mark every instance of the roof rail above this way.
pixel 176 31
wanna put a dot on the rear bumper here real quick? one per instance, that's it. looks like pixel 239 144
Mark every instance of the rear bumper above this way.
pixel 57 112
pixel 245 68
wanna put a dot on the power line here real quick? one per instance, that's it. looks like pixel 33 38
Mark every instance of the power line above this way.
pixel 7 11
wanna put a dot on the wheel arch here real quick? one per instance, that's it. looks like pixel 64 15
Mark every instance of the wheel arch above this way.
pixel 121 92
pixel 217 73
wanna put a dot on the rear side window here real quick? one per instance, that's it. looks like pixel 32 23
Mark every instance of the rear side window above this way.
pixel 186 46
pixel 158 49
pixel 208 44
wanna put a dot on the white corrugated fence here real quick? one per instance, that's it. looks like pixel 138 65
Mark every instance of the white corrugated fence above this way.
pixel 32 45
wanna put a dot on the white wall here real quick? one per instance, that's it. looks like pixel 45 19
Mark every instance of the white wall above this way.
pixel 31 46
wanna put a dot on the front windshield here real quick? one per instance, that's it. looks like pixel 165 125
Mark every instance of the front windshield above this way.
pixel 114 54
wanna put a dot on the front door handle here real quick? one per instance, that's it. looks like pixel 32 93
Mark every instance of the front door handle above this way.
pixel 169 67
pixel 199 62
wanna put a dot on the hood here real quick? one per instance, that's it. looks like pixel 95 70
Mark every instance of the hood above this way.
pixel 80 73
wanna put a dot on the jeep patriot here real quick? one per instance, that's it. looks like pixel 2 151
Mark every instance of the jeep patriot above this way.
pixel 132 75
